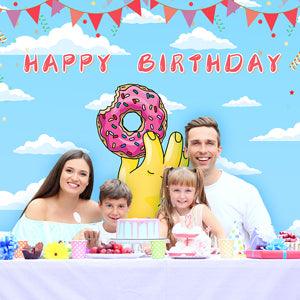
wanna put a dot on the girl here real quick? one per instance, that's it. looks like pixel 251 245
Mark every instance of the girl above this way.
pixel 182 193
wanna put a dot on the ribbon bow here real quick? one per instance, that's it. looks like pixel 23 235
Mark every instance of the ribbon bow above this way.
pixel 277 244
pixel 8 245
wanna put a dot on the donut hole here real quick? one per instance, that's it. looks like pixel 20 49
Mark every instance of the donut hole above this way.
pixel 132 121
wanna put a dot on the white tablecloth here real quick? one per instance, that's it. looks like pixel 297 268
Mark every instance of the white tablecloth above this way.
pixel 146 278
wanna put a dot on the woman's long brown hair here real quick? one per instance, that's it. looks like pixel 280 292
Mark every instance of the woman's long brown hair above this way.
pixel 51 186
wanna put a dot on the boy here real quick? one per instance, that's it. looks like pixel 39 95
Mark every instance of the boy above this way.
pixel 114 201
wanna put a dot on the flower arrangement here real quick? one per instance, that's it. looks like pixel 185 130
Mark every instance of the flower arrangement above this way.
pixel 56 250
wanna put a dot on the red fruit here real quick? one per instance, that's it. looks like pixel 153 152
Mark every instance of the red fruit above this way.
pixel 117 251
pixel 287 239
pixel 118 247
pixel 103 251
pixel 109 251
pixel 127 250
pixel 94 250
pixel 109 246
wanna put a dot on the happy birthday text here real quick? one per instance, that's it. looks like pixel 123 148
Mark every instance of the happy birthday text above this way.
pixel 176 63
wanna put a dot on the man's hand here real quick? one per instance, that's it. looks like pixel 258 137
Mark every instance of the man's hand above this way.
pixel 145 180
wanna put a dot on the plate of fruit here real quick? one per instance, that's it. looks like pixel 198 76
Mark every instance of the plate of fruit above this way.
pixel 112 250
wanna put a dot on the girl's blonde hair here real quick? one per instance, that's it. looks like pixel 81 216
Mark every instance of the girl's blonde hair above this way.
pixel 179 176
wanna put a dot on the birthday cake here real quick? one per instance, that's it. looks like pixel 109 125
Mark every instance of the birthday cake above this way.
pixel 191 241
pixel 138 229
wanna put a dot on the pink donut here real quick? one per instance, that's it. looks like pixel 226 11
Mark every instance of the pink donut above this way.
pixel 131 98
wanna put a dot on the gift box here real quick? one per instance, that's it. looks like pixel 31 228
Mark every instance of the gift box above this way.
pixel 272 254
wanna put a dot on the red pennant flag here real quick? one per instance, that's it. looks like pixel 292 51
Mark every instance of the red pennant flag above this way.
pixel 153 3
pixel 135 6
pixel 189 16
pixel 13 16
pixel 292 15
pixel 56 7
pixel 169 12
pixel 49 2
pixel 271 19
pixel 75 15
pixel 34 13
pixel 225 2
pixel 95 19
pixel 210 13
pixel 251 15
pixel 116 16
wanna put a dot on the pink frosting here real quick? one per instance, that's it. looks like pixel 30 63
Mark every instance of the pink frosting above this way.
pixel 133 99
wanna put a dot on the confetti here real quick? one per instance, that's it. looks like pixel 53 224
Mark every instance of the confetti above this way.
pixel 268 3
pixel 286 43
pixel 292 92
pixel 219 23
pixel 290 30
pixel 3 38
pixel 273 35
pixel 295 62
pixel 44 23
pixel 4 119
pixel 93 3
pixel 114 30
pixel 1 78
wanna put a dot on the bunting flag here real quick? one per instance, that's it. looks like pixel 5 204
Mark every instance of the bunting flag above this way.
pixel 169 12
pixel 189 16
pixel 13 16
pixel 56 7
pixel 116 16
pixel 153 3
pixel 135 6
pixel 75 15
pixel 209 12
pixel 271 19
pixel 232 7
pixel 34 13
pixel 291 15
pixel 251 16
pixel 95 19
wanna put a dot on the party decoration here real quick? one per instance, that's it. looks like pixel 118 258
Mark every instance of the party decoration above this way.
pixel 235 235
pixel 277 244
pixel 33 252
pixel 135 5
pixel 56 250
pixel 8 245
pixel 295 62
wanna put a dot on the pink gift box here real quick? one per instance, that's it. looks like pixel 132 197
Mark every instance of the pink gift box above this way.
pixel 273 254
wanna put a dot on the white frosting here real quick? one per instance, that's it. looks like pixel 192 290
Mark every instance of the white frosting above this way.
pixel 179 229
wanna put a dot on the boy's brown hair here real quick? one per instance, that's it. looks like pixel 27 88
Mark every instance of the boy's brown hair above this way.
pixel 115 189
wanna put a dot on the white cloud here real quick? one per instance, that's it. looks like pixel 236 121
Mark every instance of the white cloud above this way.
pixel 3 7
pixel 66 39
pixel 171 105
pixel 12 95
pixel 242 102
pixel 247 3
pixel 146 18
pixel 46 144
pixel 106 100
pixel 18 201
pixel 238 168
pixel 280 135
pixel 201 39
pixel 101 103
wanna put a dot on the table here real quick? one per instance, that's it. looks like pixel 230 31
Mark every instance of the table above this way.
pixel 147 278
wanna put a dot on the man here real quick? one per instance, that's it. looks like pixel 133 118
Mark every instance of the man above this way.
pixel 234 201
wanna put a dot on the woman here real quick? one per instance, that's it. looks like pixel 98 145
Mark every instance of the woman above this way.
pixel 62 207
